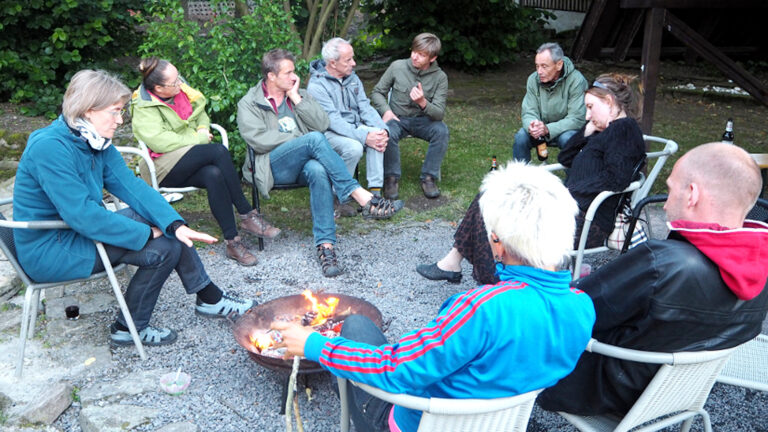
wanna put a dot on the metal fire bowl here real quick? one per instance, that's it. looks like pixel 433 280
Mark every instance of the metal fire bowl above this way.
pixel 258 319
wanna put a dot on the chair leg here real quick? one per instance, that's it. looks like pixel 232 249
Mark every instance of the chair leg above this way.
pixel 121 300
pixel 34 308
pixel 344 404
pixel 24 333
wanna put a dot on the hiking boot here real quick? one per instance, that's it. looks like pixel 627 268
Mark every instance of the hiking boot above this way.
pixel 224 307
pixel 344 210
pixel 237 251
pixel 391 188
pixel 328 261
pixel 255 224
pixel 429 187
pixel 150 336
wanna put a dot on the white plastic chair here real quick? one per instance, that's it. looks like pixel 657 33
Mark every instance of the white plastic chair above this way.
pixel 143 151
pixel 454 415
pixel 676 393
pixel 32 294
pixel 639 189
pixel 748 365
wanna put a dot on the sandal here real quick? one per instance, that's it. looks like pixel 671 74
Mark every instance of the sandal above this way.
pixel 381 208
pixel 328 261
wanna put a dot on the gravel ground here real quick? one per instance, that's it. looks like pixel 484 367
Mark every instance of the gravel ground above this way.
pixel 229 392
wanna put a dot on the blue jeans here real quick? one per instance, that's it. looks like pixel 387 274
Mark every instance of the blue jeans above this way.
pixel 368 413
pixel 310 161
pixel 155 261
pixel 351 150
pixel 521 150
pixel 422 127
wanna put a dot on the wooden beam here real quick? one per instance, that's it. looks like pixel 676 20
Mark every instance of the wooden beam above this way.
pixel 739 75
pixel 654 24
pixel 635 19
pixel 689 4
pixel 587 29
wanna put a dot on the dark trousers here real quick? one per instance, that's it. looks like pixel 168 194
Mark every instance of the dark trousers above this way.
pixel 155 261
pixel 368 413
pixel 434 132
pixel 209 166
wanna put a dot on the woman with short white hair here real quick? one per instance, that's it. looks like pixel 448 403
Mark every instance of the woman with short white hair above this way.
pixel 61 176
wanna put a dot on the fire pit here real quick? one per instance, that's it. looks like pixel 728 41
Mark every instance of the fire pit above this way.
pixel 255 322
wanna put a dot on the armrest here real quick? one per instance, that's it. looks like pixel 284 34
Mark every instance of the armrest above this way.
pixel 143 153
pixel 223 133
pixel 655 357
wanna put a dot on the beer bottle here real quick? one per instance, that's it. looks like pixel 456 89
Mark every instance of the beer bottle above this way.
pixel 728 134
pixel 494 166
pixel 541 151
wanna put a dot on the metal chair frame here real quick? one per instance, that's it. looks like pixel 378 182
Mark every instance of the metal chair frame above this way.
pixel 32 294
pixel 676 393
pixel 453 415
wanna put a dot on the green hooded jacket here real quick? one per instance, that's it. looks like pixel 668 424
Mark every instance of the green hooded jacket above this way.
pixel 400 77
pixel 561 105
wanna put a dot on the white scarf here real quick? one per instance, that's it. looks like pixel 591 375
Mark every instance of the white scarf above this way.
pixel 88 132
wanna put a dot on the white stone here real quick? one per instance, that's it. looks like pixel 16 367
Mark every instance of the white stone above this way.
pixel 48 404
pixel 132 384
pixel 114 418
pixel 179 427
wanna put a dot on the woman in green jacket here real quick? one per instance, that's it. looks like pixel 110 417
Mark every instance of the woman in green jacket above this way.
pixel 169 117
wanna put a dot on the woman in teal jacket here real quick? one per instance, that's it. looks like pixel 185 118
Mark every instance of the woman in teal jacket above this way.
pixel 169 117
pixel 61 176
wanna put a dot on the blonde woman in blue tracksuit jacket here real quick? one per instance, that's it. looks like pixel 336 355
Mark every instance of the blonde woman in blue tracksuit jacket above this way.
pixel 522 334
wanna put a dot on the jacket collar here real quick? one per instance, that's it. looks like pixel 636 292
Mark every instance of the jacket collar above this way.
pixel 533 276
pixel 431 69
pixel 741 254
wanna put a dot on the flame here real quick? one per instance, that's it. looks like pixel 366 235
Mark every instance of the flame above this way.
pixel 262 341
pixel 324 311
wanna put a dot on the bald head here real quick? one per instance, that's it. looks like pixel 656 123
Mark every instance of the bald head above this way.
pixel 722 183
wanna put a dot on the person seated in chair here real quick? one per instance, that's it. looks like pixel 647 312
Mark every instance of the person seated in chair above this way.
pixel 169 117
pixel 519 335
pixel 284 125
pixel 62 174
pixel 703 288
pixel 602 156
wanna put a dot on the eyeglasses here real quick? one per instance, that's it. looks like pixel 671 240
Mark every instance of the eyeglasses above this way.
pixel 177 83
pixel 118 113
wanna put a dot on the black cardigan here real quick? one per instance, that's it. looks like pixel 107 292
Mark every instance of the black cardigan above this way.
pixel 604 161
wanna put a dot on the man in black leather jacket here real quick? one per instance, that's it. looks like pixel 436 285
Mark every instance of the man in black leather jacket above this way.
pixel 703 288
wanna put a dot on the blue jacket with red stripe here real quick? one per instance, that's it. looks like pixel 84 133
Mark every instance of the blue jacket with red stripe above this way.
pixel 524 333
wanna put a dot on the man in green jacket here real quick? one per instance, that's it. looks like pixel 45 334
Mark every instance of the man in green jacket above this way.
pixel 284 125
pixel 553 106
pixel 410 97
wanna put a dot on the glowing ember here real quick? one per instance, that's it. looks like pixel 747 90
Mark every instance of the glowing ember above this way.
pixel 324 311
pixel 262 341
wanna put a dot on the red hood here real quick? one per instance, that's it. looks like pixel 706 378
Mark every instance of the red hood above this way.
pixel 741 254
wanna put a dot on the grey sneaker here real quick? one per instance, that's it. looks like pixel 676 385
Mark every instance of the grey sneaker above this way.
pixel 224 307
pixel 150 336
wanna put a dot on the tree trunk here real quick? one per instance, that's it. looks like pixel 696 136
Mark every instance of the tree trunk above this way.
pixel 241 8
pixel 350 17
pixel 318 33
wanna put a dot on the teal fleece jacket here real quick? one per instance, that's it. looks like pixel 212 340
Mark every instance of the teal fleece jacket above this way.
pixel 61 178
pixel 561 105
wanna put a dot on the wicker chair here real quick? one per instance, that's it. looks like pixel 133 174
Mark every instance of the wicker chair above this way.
pixel 454 415
pixel 32 295
pixel 638 189
pixel 676 393
pixel 748 366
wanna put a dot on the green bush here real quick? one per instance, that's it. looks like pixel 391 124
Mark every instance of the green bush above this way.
pixel 46 41
pixel 475 35
pixel 222 57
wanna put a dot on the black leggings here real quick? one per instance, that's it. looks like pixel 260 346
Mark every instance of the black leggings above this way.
pixel 209 166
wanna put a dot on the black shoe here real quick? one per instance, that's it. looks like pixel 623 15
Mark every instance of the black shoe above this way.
pixel 429 187
pixel 328 261
pixel 391 188
pixel 433 272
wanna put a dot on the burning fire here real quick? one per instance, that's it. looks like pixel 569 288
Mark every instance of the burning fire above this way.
pixel 319 315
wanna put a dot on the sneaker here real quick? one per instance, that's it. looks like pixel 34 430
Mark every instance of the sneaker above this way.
pixel 255 224
pixel 391 188
pixel 328 261
pixel 150 336
pixel 433 272
pixel 429 187
pixel 224 307
pixel 237 251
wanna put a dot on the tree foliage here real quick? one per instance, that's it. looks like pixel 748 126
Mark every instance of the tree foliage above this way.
pixel 474 34
pixel 45 42
pixel 222 57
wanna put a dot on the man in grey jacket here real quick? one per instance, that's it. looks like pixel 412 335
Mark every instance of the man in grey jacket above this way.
pixel 416 106
pixel 354 124
pixel 553 106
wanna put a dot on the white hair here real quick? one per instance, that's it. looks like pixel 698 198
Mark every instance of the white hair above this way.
pixel 331 48
pixel 531 212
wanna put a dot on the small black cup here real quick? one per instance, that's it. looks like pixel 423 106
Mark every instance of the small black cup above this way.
pixel 73 312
